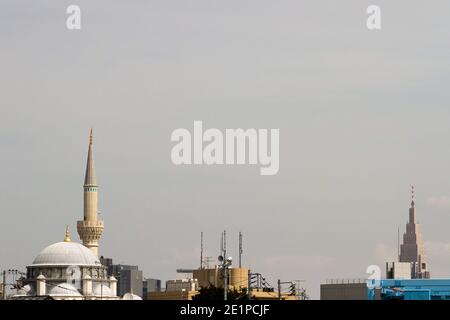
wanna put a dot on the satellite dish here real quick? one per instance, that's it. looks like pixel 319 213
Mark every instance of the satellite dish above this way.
pixel 220 258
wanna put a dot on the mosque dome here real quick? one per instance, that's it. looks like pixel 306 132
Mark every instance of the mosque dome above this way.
pixel 66 254
pixel 64 289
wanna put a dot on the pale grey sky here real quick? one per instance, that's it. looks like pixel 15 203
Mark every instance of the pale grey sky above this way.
pixel 362 116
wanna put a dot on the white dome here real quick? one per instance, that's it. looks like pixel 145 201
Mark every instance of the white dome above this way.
pixel 131 296
pixel 64 289
pixel 105 292
pixel 66 254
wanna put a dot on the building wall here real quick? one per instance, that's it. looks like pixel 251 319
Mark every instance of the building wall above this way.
pixel 130 281
pixel 182 285
pixel 343 291
pixel 171 295
pixel 151 285
pixel 129 277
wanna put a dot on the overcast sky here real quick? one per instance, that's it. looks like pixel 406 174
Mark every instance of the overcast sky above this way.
pixel 362 116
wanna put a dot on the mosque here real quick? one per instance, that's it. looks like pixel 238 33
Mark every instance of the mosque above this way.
pixel 69 270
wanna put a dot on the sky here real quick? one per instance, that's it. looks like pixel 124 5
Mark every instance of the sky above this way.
pixel 362 116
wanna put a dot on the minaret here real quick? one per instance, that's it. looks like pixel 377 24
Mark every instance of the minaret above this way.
pixel 90 228
pixel 413 250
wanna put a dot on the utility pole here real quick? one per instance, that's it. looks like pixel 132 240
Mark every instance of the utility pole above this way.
pixel 249 285
pixel 240 250
pixel 201 250
pixel 4 285
pixel 225 284
pixel 225 263
pixel 279 289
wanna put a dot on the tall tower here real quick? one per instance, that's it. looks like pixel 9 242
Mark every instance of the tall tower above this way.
pixel 90 228
pixel 413 250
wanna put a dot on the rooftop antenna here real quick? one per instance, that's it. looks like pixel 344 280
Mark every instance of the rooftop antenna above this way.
pixel 221 244
pixel 240 249
pixel 224 244
pixel 201 250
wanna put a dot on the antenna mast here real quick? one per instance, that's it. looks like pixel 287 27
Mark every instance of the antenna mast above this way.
pixel 224 244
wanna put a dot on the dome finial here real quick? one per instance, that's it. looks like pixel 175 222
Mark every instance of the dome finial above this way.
pixel 90 137
pixel 67 238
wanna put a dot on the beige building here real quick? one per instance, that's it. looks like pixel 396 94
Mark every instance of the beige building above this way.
pixel 186 289
pixel 237 278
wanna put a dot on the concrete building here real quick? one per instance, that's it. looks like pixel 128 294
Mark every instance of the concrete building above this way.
pixel 129 277
pixel 413 249
pixel 398 270
pixel 150 285
pixel 172 295
pixel 185 289
pixel 179 289
pixel 182 285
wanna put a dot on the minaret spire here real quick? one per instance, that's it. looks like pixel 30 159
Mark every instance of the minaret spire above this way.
pixel 90 228
pixel 412 196
pixel 90 178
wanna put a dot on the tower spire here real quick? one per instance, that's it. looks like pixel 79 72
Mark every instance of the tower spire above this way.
pixel 90 178
pixel 413 249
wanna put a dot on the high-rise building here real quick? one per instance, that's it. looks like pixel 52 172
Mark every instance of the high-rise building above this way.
pixel 90 228
pixel 150 285
pixel 129 277
pixel 413 250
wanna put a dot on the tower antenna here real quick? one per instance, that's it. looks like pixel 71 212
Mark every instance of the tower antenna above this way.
pixel 224 244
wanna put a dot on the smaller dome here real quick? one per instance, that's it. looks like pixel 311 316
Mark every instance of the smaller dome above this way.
pixel 64 289
pixel 131 296
pixel 102 290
